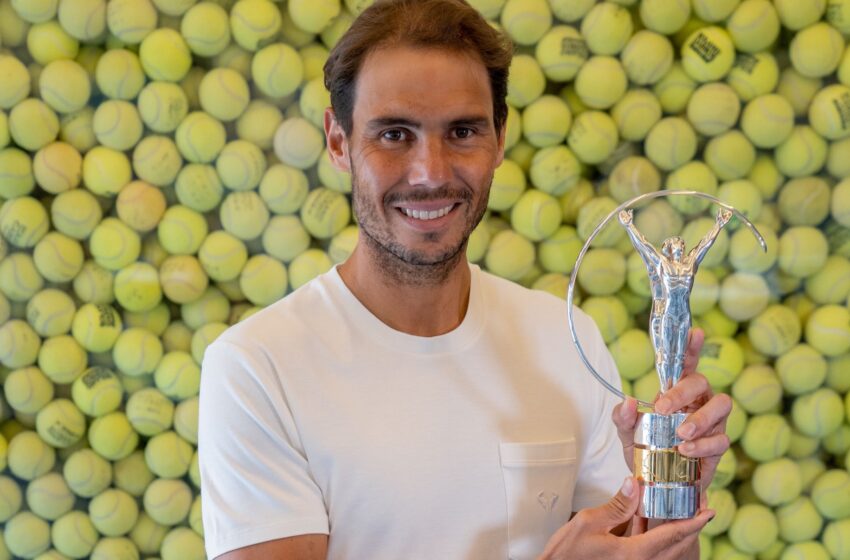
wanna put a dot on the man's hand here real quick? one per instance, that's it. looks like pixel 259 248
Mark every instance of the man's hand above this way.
pixel 588 534
pixel 704 432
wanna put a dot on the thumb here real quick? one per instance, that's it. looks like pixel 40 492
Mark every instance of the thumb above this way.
pixel 622 507
pixel 625 416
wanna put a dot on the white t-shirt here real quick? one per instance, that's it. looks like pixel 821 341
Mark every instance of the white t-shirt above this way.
pixel 316 417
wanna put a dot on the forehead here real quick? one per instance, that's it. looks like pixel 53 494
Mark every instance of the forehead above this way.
pixel 422 82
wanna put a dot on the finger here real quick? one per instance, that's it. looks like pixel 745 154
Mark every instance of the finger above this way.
pixel 619 509
pixel 709 446
pixel 696 337
pixel 690 389
pixel 706 419
pixel 658 540
pixel 625 417
pixel 679 550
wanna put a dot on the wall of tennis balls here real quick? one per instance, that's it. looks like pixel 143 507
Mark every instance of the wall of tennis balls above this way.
pixel 163 175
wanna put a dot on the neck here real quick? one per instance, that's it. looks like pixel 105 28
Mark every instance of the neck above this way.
pixel 417 300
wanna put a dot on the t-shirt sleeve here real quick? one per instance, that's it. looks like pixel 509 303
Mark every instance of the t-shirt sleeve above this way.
pixel 255 479
pixel 603 467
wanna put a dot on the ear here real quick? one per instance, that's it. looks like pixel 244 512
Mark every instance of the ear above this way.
pixel 500 152
pixel 337 142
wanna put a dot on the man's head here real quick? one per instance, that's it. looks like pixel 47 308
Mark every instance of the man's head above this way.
pixel 673 248
pixel 417 89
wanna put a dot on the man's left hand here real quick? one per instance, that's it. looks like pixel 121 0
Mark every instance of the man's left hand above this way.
pixel 704 432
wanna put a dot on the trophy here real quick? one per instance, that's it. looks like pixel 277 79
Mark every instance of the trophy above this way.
pixel 669 481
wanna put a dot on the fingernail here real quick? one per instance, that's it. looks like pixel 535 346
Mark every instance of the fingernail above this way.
pixel 687 430
pixel 627 488
pixel 662 405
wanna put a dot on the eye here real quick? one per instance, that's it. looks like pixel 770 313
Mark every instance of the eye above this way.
pixel 464 132
pixel 394 135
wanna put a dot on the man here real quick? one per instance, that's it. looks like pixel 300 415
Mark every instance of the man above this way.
pixel 407 405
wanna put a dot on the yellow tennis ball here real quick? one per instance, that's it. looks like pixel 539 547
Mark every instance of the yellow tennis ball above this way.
pixel 137 351
pixel 831 284
pixel 723 503
pixel 694 175
pixel 635 114
pixel 601 82
pixel 743 295
pixel 114 245
pixel 526 81
pixel 804 201
pixel 802 153
pixel 507 186
pixel 603 272
pixel 113 512
pixel 561 52
pixel 156 160
pixel 767 120
pixel 112 437
pixel 766 437
pixel 117 124
pixel 178 336
pixel 647 57
pixel 200 137
pixel 285 238
pixel 708 54
pixel 794 381
pixel 633 353
pixel 284 188
pixel 633 176
pixel 714 108
pixel 132 473
pixel 137 288
pixel 343 244
pixel 29 456
pixel 74 534
pixel 113 547
pixel 182 278
pixel 775 330
pixel 167 501
pixel 836 538
pixel 224 92
pixel 241 165
pixel 802 251
pixel 165 55
pixel 558 252
pixel 17 177
pixel 591 215
pixel 119 74
pixel 244 214
pixel 96 327
pixel 106 171
pixel 19 277
pixel 671 143
pixel 298 143
pixel 816 50
pixel 35 11
pixel 131 20
pixel 87 473
pixel 757 389
pixel 206 29
pixel 263 280
pixel 325 213
pixel 61 358
pixel 754 25
pixel 730 155
pixel 828 493
pixel 313 17
pixel 5 138
pixel 610 315
pixel 510 255
pixel 168 455
pixel 674 89
pixel 76 129
pixel 94 284
pixel 828 330
pixel 182 542
pixel 60 423
pixel 536 215
pixel 254 23
pixel 554 170
pixel 181 230
pixel 261 119
pixel 58 167
pixel 593 136
pixel 26 535
pixel 58 257
pixel 798 89
pixel 140 205
pixel 50 312
pixel 222 255
pixel 149 411
pixel 545 121
pixel 16 83
pixel 83 19
pixel 23 221
pixel 797 15
pixel 264 67
pixel 721 360
pixel 526 21
pixel 147 534
pixel 33 124
pixel 777 482
pixel 837 163
pixel 97 391
pixel 27 389
pixel 665 17
pixel 199 187
pixel 48 41
pixel 49 496
pixel 65 86
pixel 203 337
pixel 827 109
pixel 606 28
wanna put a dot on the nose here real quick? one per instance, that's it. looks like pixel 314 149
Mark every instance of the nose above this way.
pixel 430 163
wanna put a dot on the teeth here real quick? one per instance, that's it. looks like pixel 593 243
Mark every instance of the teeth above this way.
pixel 426 215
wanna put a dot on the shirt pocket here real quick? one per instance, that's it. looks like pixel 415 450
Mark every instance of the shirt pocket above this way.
pixel 539 481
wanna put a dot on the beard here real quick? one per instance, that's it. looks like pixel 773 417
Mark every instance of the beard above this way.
pixel 406 265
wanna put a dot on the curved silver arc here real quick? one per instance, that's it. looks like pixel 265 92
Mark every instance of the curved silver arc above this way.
pixel 586 247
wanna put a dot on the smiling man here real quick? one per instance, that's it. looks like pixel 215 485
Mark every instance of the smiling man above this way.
pixel 407 404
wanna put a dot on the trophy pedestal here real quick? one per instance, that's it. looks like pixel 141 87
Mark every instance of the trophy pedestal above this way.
pixel 668 481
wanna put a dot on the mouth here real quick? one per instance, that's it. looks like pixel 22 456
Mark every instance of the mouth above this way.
pixel 426 214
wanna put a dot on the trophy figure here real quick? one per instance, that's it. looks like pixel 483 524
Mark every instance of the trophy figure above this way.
pixel 669 481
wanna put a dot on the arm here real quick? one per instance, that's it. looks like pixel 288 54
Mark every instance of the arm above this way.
pixel 647 251
pixel 302 547
pixel 698 253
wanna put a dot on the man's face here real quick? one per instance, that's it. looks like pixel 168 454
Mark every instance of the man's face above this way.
pixel 422 152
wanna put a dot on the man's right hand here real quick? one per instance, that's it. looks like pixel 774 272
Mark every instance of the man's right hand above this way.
pixel 588 534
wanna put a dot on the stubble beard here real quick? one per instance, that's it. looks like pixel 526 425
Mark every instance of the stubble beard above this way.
pixel 403 265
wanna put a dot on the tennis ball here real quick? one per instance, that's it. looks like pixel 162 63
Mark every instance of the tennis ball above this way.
pixel 777 482
pixel 631 177
pixel 536 215
pixel 831 284
pixel 559 251
pixel 342 244
pixel 35 11
pixel 168 455
pixel 96 326
pixel 130 20
pixel 26 535
pixel 743 295
pixel 212 307
pixel 149 411
pixel 636 113
pixel 633 353
pixel 112 436
pixel 198 187
pixel 49 496
pixel 798 89
pixel 526 21
pixel 177 375
pixel 224 92
pixel 829 493
pixel 561 52
pixel 264 67
pixel 795 15
pixel 285 238
pixel 767 120
pixel 23 221
pixel 704 294
pixel 167 501
pixel 119 74
pixel 804 201
pixel 50 312
pixel 708 54
pixel 87 473
pixel 509 255
pixel 313 17
pixel 757 389
pixel 178 336
pixel 58 167
pixel 591 215
pixel 754 528
pixel 754 25
pixel 64 86
pixel 714 108
pixel 147 534
pixel 17 173
pixel 607 28
pixel 298 143
pixel 671 143
pixel 61 358
pixel 554 170
pixel 798 520
pixel 726 468
pixel 48 41
pixel 775 330
pixel 29 456
pixel 83 19
pixel 836 538
pixel 507 186
pixel 545 121
pixel 113 512
pixel 156 159
pixel 222 255
pixel 254 23
pixel 206 334
pixel 186 420
pixel 200 137
pixel 730 155
pixel 828 330
pixel 646 388
pixel 75 213
pixel 181 230
pixel 766 437
pixel 610 315
pixel 816 50
pixel 331 177
pixel 603 272
pixel 263 280
pixel 182 278
pixel 97 391
pixel 162 106
pixel 58 257
pixel 840 203
pixel 137 351
pixel 765 175
pixel 818 413
pixel 182 543
pixel 647 57
pixel 10 497
pixel 165 55
pixel 261 119
pixel 19 278
pixel 241 165
pixel 803 250
pixel 94 284
pixel 723 503
pixel 206 29
pixel 74 534
pixel 665 17
pixel 827 111
pixel 244 214
pixel 325 213
pixel 753 75
pixel 27 390
pixel 16 81
pixel 526 81
pixel 593 136
pixel 140 205
pixel 114 245
pixel 601 81
pixel 721 360
pixel 106 171
pixel 792 365
pixel 743 195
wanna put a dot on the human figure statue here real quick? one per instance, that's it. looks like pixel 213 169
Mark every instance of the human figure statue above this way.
pixel 671 277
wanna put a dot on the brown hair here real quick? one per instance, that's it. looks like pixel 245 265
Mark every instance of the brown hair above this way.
pixel 445 24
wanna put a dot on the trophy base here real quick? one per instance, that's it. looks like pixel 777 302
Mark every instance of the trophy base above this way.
pixel 669 482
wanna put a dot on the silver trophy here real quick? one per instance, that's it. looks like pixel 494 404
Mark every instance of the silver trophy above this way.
pixel 669 482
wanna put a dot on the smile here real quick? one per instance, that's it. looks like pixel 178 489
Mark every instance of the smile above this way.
pixel 427 214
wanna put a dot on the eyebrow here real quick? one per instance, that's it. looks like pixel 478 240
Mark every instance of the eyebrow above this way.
pixel 388 121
